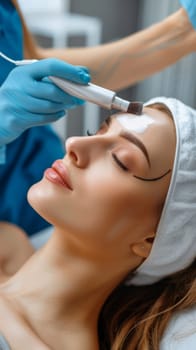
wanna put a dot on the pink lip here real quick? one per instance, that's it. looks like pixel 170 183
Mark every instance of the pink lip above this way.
pixel 58 174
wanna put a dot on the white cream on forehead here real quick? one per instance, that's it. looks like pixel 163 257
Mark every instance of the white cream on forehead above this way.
pixel 135 123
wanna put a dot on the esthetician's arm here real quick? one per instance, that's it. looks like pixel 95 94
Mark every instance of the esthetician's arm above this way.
pixel 119 64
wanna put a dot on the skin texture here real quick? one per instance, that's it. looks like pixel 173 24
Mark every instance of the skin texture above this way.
pixel 55 302
pixel 105 221
pixel 112 195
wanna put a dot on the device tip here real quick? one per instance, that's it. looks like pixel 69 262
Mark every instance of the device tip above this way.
pixel 135 108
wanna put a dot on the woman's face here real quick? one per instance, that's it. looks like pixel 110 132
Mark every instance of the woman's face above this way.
pixel 107 201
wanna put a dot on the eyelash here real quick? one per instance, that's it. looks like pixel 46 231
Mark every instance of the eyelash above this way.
pixel 94 133
pixel 124 168
pixel 118 162
pixel 90 133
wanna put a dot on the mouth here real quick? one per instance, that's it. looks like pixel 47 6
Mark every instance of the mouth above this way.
pixel 58 174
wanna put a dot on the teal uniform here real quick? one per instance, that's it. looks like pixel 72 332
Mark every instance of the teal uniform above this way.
pixel 3 343
pixel 34 151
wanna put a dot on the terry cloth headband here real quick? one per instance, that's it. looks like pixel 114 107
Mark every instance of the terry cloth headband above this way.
pixel 174 247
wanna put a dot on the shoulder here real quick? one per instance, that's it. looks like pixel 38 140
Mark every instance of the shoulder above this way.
pixel 181 332
pixel 15 249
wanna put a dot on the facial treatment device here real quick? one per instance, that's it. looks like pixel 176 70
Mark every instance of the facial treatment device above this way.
pixel 96 94
pixel 92 93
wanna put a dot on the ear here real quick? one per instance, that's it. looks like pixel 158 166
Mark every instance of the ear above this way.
pixel 143 247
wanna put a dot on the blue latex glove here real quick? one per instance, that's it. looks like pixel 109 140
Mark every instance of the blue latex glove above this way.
pixel 190 7
pixel 28 98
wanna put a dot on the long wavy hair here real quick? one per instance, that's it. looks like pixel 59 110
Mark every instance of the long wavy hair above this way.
pixel 135 317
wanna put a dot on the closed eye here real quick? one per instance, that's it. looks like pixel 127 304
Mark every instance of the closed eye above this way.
pixel 119 163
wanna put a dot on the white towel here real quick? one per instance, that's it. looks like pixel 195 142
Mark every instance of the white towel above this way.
pixel 174 247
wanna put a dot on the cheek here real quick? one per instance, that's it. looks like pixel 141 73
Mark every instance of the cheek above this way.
pixel 105 200
pixel 97 203
pixel 100 205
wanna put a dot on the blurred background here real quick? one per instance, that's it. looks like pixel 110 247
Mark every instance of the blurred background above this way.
pixel 91 22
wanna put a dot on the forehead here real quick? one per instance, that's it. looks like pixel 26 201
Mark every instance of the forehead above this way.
pixel 150 119
pixel 135 123
pixel 150 111
pixel 154 128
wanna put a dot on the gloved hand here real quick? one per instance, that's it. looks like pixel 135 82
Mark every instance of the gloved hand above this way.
pixel 190 7
pixel 28 98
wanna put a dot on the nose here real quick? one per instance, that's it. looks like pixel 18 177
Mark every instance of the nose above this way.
pixel 77 151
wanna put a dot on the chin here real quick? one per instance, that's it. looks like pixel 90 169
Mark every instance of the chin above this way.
pixel 46 199
pixel 41 200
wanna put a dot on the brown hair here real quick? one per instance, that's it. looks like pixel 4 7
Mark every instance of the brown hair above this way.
pixel 29 46
pixel 135 317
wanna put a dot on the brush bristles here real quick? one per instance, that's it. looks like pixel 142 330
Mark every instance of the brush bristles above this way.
pixel 135 108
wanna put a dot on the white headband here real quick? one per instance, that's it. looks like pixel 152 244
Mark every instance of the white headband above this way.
pixel 174 247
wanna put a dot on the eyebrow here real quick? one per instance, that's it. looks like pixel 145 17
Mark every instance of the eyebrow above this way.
pixel 133 139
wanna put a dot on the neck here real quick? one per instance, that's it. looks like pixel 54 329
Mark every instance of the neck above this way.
pixel 64 289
